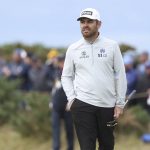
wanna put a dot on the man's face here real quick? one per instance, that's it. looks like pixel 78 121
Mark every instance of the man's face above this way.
pixel 89 27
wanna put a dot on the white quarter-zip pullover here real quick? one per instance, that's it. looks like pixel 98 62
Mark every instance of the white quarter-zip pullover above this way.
pixel 95 73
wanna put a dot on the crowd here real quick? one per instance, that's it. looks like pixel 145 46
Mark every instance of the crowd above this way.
pixel 40 76
pixel 138 77
pixel 30 69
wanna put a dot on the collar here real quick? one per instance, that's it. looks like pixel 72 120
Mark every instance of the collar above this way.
pixel 97 39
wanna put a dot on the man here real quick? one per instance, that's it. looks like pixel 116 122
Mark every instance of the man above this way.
pixel 59 101
pixel 143 86
pixel 95 84
pixel 131 73
pixel 142 59
pixel 17 69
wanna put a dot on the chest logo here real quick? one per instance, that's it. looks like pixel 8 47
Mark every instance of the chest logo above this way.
pixel 102 53
pixel 84 55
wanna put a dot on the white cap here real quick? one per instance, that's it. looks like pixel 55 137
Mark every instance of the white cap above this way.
pixel 89 13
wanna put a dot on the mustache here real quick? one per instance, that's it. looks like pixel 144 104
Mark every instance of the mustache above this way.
pixel 85 28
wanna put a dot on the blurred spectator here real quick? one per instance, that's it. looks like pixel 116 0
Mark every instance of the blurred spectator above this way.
pixel 59 101
pixel 37 75
pixel 143 86
pixel 142 59
pixel 51 67
pixel 17 69
pixel 2 64
pixel 53 53
pixel 131 73
pixel 28 59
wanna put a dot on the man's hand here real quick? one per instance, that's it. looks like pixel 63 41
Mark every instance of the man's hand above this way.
pixel 69 104
pixel 117 112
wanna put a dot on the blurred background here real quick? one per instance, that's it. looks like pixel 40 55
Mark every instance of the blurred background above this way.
pixel 34 36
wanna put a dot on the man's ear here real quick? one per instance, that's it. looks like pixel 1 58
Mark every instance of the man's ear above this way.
pixel 99 23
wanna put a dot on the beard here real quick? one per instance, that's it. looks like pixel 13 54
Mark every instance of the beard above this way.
pixel 88 33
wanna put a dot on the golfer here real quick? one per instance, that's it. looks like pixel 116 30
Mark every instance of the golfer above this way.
pixel 94 81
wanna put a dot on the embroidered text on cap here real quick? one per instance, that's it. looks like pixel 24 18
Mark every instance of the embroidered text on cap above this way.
pixel 87 13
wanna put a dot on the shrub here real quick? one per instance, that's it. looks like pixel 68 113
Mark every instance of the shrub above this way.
pixel 33 116
pixel 9 99
pixel 28 112
pixel 135 120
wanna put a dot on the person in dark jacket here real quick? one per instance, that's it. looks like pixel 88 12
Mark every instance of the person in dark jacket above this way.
pixel 143 88
pixel 59 101
pixel 37 75
pixel 17 69
pixel 131 73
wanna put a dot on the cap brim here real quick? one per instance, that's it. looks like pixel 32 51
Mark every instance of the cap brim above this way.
pixel 79 19
pixel 86 17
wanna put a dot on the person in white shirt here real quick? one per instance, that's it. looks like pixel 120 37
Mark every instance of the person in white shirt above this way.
pixel 95 83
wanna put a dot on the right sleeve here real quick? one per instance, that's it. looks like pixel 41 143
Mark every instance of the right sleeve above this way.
pixel 67 77
pixel 120 77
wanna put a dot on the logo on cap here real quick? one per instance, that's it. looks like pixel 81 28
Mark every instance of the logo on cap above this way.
pixel 87 13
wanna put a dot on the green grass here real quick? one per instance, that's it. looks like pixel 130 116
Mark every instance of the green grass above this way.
pixel 11 140
pixel 130 143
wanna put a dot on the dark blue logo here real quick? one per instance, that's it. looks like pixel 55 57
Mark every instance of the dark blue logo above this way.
pixel 102 53
pixel 83 53
pixel 102 50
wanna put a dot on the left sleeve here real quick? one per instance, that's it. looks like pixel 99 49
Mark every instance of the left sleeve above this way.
pixel 67 77
pixel 120 77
